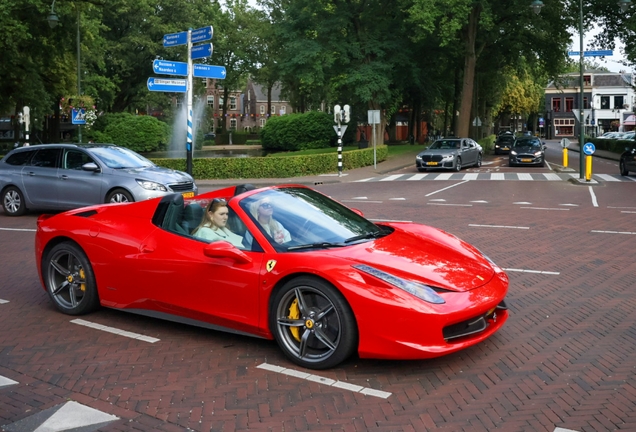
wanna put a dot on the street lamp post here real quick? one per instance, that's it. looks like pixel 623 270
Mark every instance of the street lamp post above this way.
pixel 53 21
pixel 536 6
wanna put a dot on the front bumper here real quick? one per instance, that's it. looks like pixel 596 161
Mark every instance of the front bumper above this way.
pixel 526 159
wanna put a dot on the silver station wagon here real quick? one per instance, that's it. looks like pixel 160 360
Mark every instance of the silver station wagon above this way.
pixel 66 176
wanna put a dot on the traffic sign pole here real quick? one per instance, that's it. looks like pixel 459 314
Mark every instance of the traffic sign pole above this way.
pixel 189 97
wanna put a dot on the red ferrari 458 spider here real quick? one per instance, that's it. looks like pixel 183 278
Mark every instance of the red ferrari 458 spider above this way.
pixel 285 263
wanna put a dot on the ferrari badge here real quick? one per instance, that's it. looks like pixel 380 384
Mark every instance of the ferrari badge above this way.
pixel 270 265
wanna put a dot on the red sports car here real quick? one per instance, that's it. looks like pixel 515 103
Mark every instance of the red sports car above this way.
pixel 321 280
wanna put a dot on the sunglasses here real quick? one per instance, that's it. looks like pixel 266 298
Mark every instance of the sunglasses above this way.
pixel 266 205
pixel 219 200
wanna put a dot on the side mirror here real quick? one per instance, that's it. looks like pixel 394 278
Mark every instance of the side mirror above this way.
pixel 356 211
pixel 91 166
pixel 223 249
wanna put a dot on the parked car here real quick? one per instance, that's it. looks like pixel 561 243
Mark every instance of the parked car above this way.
pixel 67 176
pixel 337 283
pixel 451 154
pixel 209 136
pixel 527 151
pixel 503 143
pixel 628 161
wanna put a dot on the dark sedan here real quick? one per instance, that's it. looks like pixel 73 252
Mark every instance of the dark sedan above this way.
pixel 628 161
pixel 527 150
pixel 504 143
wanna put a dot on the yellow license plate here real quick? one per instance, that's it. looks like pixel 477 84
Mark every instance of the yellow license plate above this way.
pixel 505 148
pixel 431 163
pixel 526 160
pixel 188 194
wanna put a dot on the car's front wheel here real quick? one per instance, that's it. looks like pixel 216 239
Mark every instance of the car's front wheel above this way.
pixel 69 279
pixel 313 323
pixel 119 196
pixel 478 161
pixel 13 202
pixel 458 164
pixel 623 168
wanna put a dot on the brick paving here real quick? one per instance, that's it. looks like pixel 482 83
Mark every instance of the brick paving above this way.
pixel 564 359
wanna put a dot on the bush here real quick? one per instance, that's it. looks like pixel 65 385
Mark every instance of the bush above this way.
pixel 294 132
pixel 273 167
pixel 138 133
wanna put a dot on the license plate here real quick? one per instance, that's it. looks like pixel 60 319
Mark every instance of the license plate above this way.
pixel 188 194
pixel 526 160
pixel 505 148
pixel 431 163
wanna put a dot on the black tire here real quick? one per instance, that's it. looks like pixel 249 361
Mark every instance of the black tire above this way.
pixel 458 164
pixel 478 162
pixel 313 323
pixel 119 196
pixel 13 202
pixel 622 168
pixel 69 279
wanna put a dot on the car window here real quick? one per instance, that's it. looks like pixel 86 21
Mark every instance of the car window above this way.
pixel 120 158
pixel 47 158
pixel 527 143
pixel 19 158
pixel 75 159
pixel 445 144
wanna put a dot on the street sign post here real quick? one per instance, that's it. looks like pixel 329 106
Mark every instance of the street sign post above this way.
pixel 201 51
pixel 589 149
pixel 209 71
pixel 175 39
pixel 593 53
pixel 170 67
pixel 202 34
pixel 167 85
pixel 78 116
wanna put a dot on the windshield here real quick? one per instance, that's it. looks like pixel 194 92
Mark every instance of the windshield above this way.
pixel 527 143
pixel 295 219
pixel 119 157
pixel 445 144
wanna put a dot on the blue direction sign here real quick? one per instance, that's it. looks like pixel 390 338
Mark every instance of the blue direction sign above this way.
pixel 78 116
pixel 202 34
pixel 201 51
pixel 208 71
pixel 597 53
pixel 589 149
pixel 167 85
pixel 174 39
pixel 170 67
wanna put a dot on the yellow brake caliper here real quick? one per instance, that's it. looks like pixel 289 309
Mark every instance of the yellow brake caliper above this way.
pixel 83 276
pixel 294 313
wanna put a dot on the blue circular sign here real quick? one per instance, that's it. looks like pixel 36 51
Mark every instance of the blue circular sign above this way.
pixel 589 149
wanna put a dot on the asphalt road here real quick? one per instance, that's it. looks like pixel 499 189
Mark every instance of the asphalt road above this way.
pixel 565 359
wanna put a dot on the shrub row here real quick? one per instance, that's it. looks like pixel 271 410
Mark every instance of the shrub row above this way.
pixel 273 167
pixel 612 145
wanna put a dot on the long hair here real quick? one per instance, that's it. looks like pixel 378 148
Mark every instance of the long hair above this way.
pixel 206 221
pixel 273 225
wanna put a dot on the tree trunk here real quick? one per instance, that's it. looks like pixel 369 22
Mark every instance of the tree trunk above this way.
pixel 470 60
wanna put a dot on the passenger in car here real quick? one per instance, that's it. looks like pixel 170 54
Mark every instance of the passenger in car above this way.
pixel 262 211
pixel 213 226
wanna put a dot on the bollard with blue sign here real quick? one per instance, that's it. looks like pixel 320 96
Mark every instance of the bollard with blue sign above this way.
pixel 589 149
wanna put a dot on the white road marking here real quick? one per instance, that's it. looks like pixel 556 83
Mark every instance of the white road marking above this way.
pixel 607 177
pixel 631 208
pixel 456 205
pixel 4 381
pixel 544 208
pixel 471 176
pixel 3 301
pixel 362 201
pixel 115 331
pixel 594 202
pixel 531 271
pixel 326 381
pixel 613 232
pixel 549 165
pixel 439 199
pixel 563 430
pixel 552 176
pixel 18 229
pixel 364 180
pixel 631 178
pixel 626 211
pixel 417 177
pixel 397 199
pixel 448 187
pixel 390 220
pixel 444 176
pixel 522 203
pixel 524 176
pixel 391 177
pixel 359 198
pixel 498 226
pixel 480 202
pixel 497 176
pixel 569 205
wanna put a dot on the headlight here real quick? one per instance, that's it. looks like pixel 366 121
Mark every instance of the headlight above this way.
pixel 419 290
pixel 152 185
pixel 538 153
pixel 448 157
pixel 418 157
pixel 512 152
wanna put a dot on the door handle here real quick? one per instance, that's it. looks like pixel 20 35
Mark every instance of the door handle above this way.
pixel 146 249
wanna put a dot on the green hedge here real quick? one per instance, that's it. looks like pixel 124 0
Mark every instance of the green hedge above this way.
pixel 273 167
pixel 612 145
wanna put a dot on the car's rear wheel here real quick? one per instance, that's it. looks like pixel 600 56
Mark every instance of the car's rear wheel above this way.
pixel 312 323
pixel 623 168
pixel 69 279
pixel 13 202
pixel 119 196
pixel 458 164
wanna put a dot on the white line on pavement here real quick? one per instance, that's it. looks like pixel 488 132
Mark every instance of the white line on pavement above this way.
pixel 3 301
pixel 18 229
pixel 417 177
pixel 115 331
pixel 448 187
pixel 613 232
pixel 594 202
pixel 544 208
pixel 327 381
pixel 456 205
pixel 362 201
pixel 498 226
pixel 4 381
pixel 531 271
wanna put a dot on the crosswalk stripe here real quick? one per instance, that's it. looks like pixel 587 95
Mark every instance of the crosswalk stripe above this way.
pixel 391 177
pixel 497 176
pixel 552 176
pixel 607 177
pixel 417 177
pixel 445 176
pixel 524 176
pixel 471 176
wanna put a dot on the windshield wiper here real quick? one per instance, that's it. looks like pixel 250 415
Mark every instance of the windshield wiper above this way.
pixel 369 235
pixel 321 245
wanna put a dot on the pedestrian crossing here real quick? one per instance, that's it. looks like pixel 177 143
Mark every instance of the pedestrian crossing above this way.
pixel 551 176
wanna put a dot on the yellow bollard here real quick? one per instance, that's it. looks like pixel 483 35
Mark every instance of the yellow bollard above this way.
pixel 588 168
pixel 565 157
